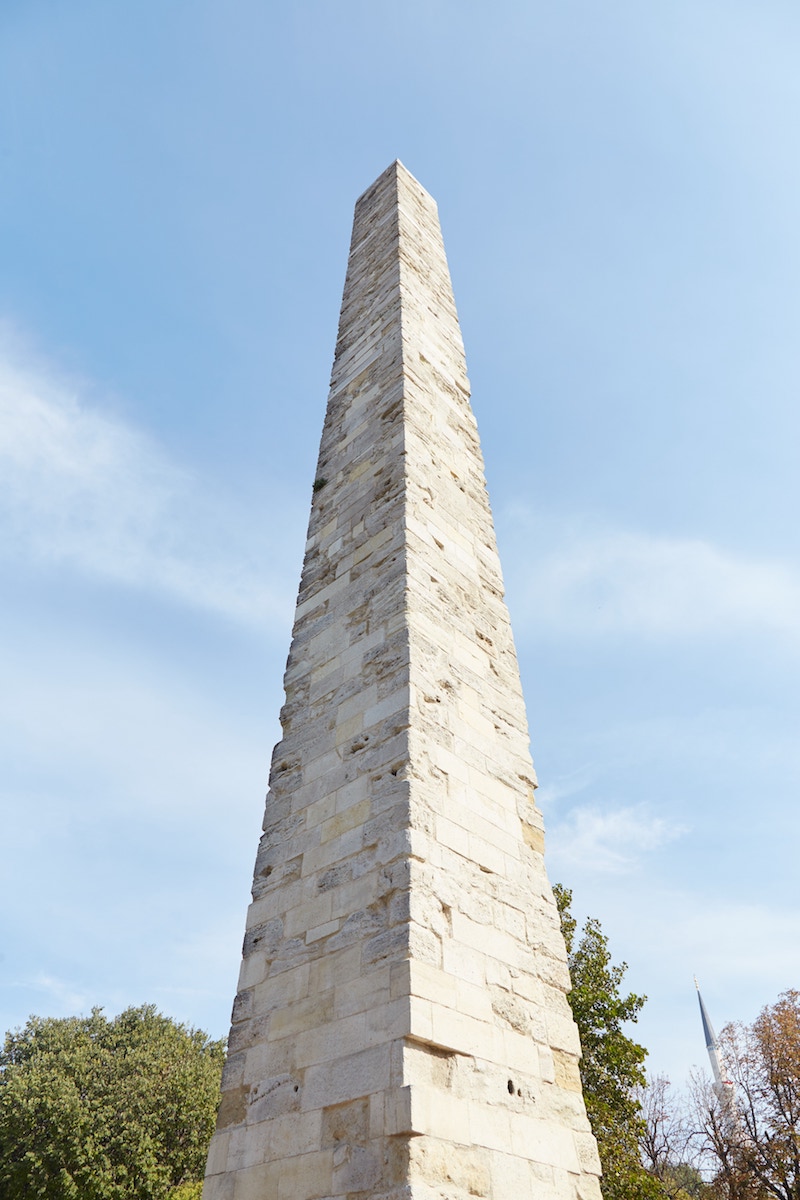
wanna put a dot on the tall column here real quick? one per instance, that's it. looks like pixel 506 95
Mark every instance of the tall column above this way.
pixel 401 1027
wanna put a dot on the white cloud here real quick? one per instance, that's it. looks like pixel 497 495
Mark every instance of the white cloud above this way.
pixel 609 841
pixel 565 786
pixel 612 581
pixel 81 488
pixel 62 994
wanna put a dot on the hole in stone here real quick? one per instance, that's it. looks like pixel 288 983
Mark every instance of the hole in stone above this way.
pixel 297 1087
pixel 511 1087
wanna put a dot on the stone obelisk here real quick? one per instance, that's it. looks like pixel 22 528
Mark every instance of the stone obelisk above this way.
pixel 401 1028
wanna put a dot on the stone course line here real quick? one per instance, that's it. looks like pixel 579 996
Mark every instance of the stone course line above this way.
pixel 401 1030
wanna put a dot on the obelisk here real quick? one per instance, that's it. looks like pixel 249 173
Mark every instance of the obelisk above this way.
pixel 401 1028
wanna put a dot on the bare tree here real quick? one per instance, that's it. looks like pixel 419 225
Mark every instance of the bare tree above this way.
pixel 717 1137
pixel 753 1138
pixel 667 1143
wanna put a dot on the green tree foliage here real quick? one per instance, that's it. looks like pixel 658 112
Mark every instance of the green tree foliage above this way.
pixel 684 1182
pixel 188 1191
pixel 612 1064
pixel 98 1109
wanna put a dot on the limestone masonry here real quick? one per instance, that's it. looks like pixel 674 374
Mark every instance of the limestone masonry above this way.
pixel 401 1027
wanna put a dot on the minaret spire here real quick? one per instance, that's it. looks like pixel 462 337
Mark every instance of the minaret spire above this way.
pixel 401 1029
pixel 723 1087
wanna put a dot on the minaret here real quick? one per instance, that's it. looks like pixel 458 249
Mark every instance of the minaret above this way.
pixel 401 1028
pixel 723 1087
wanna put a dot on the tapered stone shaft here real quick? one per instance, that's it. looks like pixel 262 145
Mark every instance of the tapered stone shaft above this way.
pixel 401 1028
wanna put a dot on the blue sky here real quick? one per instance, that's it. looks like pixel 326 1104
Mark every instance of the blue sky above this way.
pixel 618 187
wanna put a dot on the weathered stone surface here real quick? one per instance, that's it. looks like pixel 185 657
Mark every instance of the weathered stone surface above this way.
pixel 401 1028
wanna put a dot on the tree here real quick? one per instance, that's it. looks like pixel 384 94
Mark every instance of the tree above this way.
pixel 612 1063
pixel 752 1133
pixel 98 1109
pixel 666 1143
pixel 718 1140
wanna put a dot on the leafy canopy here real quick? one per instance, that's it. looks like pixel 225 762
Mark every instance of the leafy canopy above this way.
pixel 612 1064
pixel 98 1109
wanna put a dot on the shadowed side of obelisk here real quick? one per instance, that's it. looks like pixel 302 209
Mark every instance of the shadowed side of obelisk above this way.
pixel 315 1052
pixel 491 1063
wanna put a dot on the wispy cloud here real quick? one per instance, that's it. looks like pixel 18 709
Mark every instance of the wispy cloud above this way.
pixel 565 786
pixel 601 581
pixel 610 841
pixel 82 488
pixel 60 993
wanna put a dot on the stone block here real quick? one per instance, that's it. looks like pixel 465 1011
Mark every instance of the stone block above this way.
pixel 305 1014
pixel 369 993
pixel 357 1168
pixel 273 1098
pixel 331 1040
pixel 347 1078
pixel 218 1156
pixel 295 1133
pixel 306 1175
pixel 219 1187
